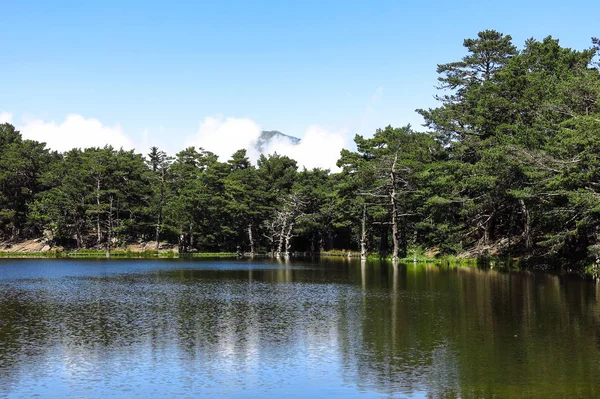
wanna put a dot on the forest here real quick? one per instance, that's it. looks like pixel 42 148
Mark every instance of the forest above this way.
pixel 508 161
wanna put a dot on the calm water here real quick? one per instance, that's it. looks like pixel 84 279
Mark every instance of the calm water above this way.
pixel 182 329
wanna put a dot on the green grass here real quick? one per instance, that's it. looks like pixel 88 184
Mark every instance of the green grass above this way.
pixel 208 255
pixel 47 254
pixel 90 254
pixel 449 260
pixel 340 252
pixel 413 255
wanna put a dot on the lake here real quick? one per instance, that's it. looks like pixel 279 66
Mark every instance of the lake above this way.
pixel 301 329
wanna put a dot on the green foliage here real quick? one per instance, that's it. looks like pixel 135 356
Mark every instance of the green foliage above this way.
pixel 22 163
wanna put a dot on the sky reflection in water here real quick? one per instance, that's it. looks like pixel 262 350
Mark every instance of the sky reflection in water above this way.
pixel 172 328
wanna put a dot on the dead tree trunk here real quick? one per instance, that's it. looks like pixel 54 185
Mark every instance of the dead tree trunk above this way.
pixel 288 239
pixel 286 218
pixel 486 234
pixel 251 239
pixel 158 228
pixel 394 203
pixel 181 240
pixel 363 235
pixel 526 225
pixel 109 227
pixel 487 226
pixel 191 237
pixel 272 230
pixel 157 234
pixel 281 239
pixel 98 229
pixel 161 200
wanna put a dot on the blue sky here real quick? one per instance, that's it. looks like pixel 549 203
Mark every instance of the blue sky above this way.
pixel 154 71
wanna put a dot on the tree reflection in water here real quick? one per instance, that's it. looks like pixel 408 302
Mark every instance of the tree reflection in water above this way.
pixel 341 327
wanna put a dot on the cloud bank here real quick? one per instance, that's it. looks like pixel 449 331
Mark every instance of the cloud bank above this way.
pixel 318 148
pixel 75 132
pixel 224 136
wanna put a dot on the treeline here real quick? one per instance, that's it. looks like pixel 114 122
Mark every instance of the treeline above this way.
pixel 509 162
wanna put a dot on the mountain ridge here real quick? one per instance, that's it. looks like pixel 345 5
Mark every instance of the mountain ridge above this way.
pixel 267 136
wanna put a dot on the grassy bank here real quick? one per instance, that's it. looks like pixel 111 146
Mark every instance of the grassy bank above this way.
pixel 116 254
pixel 412 257
pixel 151 254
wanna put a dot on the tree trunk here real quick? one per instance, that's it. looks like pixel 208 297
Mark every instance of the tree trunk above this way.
pixel 109 227
pixel 191 246
pixel 363 235
pixel 394 202
pixel 181 241
pixel 79 239
pixel 99 232
pixel 281 239
pixel 487 227
pixel 78 234
pixel 526 225
pixel 395 239
pixel 288 238
pixel 157 234
pixel 251 239
pixel 160 209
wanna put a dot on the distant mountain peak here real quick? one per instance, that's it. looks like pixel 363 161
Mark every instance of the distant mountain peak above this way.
pixel 267 136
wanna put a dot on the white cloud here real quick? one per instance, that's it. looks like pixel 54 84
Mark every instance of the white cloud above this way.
pixel 75 132
pixel 5 117
pixel 226 136
pixel 319 148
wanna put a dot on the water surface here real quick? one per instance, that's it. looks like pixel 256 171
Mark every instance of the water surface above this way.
pixel 243 329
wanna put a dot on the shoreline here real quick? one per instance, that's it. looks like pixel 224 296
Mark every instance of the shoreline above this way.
pixel 492 262
pixel 174 254
pixel 114 254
